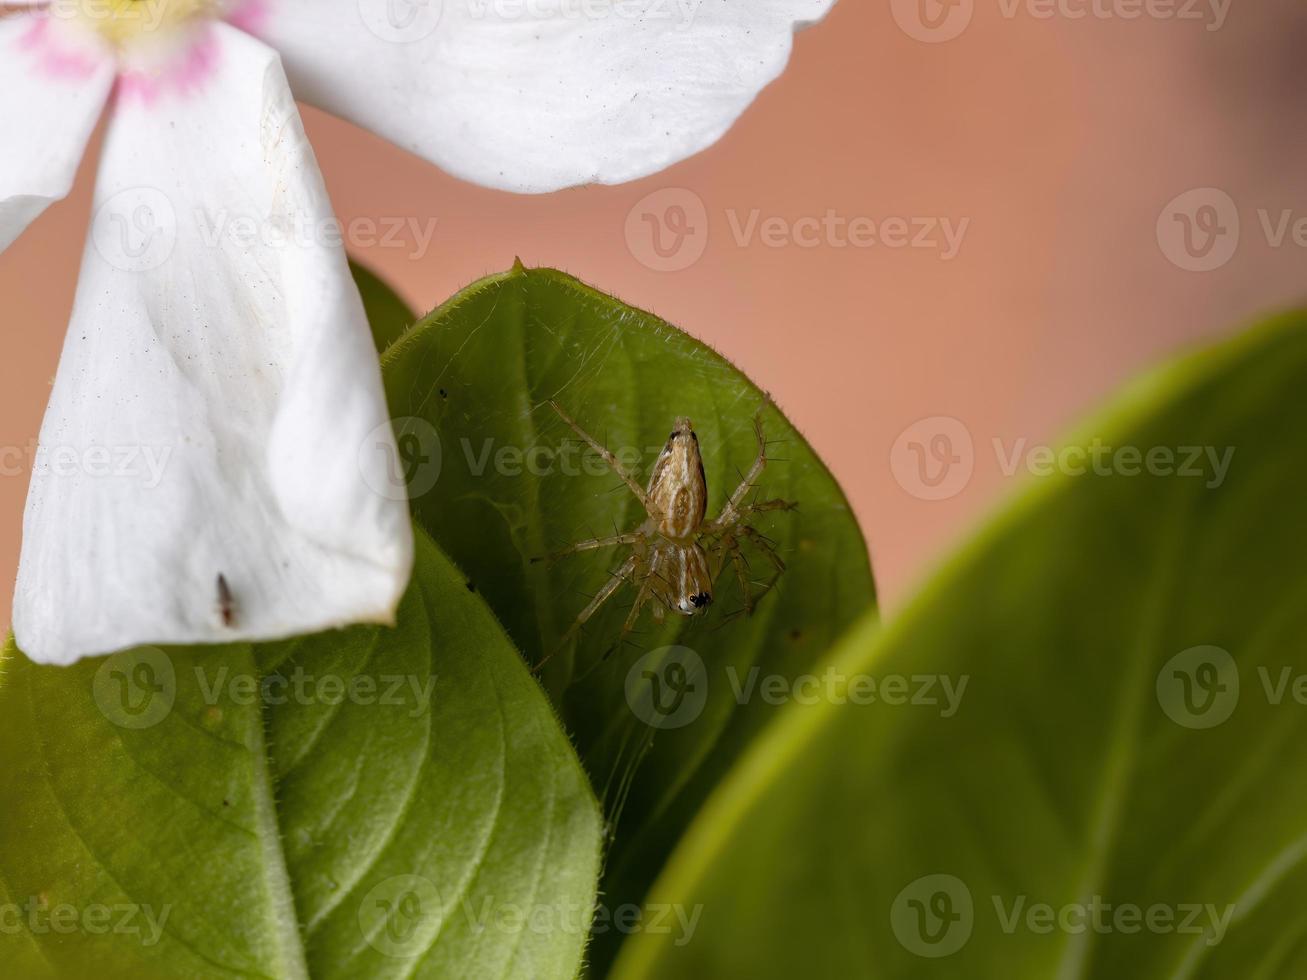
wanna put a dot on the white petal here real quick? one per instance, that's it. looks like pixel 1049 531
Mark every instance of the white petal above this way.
pixel 52 91
pixel 218 409
pixel 534 95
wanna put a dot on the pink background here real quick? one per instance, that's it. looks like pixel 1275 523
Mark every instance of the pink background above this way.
pixel 1060 139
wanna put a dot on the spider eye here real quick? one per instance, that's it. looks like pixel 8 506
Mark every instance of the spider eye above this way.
pixel 694 436
pixel 701 600
pixel 672 436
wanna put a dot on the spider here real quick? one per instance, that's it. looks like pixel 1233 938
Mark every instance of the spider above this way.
pixel 677 555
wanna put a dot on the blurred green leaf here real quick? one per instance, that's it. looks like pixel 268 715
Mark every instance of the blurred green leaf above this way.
pixel 500 479
pixel 364 803
pixel 388 315
pixel 1118 793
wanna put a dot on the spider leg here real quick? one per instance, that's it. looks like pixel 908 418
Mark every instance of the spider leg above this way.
pixel 762 506
pixel 664 598
pixel 730 546
pixel 764 545
pixel 590 545
pixel 730 513
pixel 742 573
pixel 615 580
pixel 641 598
pixel 613 463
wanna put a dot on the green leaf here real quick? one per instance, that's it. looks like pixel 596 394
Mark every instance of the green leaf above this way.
pixel 499 479
pixel 1124 739
pixel 388 315
pixel 367 803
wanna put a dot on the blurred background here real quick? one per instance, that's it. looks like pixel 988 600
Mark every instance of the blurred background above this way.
pixel 949 230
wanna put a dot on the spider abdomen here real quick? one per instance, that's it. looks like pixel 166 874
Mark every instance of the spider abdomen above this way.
pixel 678 491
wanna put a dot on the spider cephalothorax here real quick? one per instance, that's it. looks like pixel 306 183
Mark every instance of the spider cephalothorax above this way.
pixel 676 554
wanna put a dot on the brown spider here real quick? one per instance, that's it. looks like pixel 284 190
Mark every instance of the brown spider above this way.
pixel 676 555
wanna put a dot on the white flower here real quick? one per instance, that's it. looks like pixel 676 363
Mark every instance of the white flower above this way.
pixel 216 462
